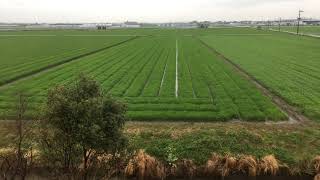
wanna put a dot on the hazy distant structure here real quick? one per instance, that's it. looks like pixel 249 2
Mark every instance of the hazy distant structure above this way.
pixel 204 24
pixel 183 25
pixel 104 26
pixel 311 21
pixel 131 24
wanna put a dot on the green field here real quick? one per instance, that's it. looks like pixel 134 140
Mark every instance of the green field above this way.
pixel 288 65
pixel 167 74
pixel 308 30
pixel 22 55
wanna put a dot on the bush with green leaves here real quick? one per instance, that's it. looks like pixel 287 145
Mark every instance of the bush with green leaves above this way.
pixel 80 120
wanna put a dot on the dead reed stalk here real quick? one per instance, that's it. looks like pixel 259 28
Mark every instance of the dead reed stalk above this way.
pixel 269 165
pixel 248 165
pixel 143 166
pixel 212 165
pixel 316 164
pixel 229 165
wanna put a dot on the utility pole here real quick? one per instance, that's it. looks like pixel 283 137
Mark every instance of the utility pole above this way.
pixel 299 18
pixel 279 24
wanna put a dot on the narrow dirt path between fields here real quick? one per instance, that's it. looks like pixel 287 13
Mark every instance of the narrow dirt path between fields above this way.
pixel 292 112
pixel 46 68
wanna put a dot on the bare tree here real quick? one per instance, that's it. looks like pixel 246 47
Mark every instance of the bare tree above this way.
pixel 21 146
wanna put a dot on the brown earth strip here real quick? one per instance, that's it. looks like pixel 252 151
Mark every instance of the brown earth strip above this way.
pixel 31 73
pixel 291 111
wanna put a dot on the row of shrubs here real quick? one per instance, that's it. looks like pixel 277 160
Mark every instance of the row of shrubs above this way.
pixel 144 166
pixel 141 165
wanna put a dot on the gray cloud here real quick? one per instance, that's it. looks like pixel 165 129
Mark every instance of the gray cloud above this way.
pixel 152 10
pixel 247 3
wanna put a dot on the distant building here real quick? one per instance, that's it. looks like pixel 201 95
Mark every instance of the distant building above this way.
pixel 129 24
pixel 179 25
pixel 65 26
pixel 311 22
pixel 104 26
pixel 116 25
pixel 204 24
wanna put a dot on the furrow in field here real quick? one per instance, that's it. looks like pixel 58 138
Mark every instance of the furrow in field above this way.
pixel 104 76
pixel 137 85
pixel 308 88
pixel 196 59
pixel 124 73
pixel 66 71
pixel 288 109
pixel 163 75
pixel 287 65
pixel 152 77
pixel 185 81
pixel 155 80
pixel 70 69
pixel 29 62
pixel 36 71
pixel 226 97
pixel 169 80
pixel 146 73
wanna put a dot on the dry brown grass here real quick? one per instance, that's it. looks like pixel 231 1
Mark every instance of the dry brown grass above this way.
pixel 248 165
pixel 130 169
pixel 183 169
pixel 143 166
pixel 7 162
pixel 316 163
pixel 229 165
pixel 187 168
pixel 221 165
pixel 212 166
pixel 269 165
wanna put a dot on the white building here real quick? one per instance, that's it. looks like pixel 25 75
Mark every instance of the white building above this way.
pixel 129 24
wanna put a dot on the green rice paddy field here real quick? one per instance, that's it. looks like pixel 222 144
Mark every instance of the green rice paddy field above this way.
pixel 308 30
pixel 168 74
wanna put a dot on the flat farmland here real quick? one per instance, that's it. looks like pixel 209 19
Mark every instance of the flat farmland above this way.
pixel 308 30
pixel 171 74
pixel 25 53
pixel 288 65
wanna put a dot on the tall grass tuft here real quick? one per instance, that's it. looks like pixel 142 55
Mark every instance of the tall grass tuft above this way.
pixel 248 165
pixel 269 165
pixel 316 163
pixel 212 166
pixel 229 165
pixel 143 166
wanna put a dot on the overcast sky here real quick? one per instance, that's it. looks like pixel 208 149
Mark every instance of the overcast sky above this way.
pixel 68 11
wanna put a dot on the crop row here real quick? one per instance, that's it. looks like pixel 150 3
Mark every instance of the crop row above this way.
pixel 143 72
pixel 15 62
pixel 287 65
pixel 228 90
